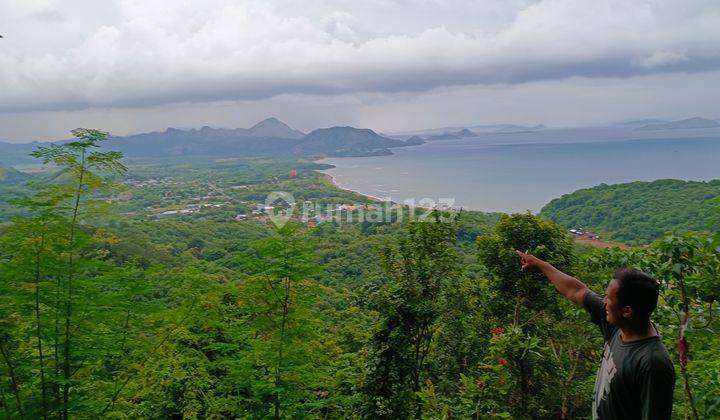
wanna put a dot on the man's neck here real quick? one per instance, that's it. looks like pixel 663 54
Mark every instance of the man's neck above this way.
pixel 634 333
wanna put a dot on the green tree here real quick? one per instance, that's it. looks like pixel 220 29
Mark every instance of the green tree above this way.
pixel 689 265
pixel 284 357
pixel 527 310
pixel 420 267
pixel 45 248
pixel 36 258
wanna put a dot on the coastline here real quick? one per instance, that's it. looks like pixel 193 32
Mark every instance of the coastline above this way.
pixel 373 198
pixel 335 184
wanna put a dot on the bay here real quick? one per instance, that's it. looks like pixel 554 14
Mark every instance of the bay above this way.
pixel 524 171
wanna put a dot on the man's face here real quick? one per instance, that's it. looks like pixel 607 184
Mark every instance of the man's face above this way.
pixel 614 312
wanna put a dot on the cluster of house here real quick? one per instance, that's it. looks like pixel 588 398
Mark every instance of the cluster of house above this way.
pixel 189 209
pixel 584 234
pixel 173 213
pixel 131 182
pixel 262 209
pixel 312 214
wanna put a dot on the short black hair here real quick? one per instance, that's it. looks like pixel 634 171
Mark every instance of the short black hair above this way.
pixel 637 290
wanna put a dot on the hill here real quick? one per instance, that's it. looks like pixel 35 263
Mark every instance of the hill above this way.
pixel 205 141
pixel 17 153
pixel 344 141
pixel 414 140
pixel 454 135
pixel 9 176
pixel 274 128
pixel 639 212
pixel 689 123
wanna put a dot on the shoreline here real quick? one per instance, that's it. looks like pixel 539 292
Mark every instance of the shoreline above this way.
pixel 335 184
pixel 379 199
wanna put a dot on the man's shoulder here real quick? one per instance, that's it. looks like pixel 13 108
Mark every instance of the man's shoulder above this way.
pixel 655 357
pixel 590 298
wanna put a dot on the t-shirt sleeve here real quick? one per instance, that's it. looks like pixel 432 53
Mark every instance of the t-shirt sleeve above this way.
pixel 658 383
pixel 595 306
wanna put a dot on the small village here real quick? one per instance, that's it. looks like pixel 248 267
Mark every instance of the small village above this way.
pixel 307 212
pixel 173 198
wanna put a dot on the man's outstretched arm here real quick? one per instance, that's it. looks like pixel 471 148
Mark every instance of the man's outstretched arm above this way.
pixel 567 285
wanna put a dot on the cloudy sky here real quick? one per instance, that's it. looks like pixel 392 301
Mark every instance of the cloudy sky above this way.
pixel 392 65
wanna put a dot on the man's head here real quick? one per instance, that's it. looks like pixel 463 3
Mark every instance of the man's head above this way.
pixel 631 297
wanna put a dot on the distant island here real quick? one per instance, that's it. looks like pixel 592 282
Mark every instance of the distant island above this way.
pixel 468 132
pixel 461 134
pixel 414 140
pixel 696 122
pixel 520 128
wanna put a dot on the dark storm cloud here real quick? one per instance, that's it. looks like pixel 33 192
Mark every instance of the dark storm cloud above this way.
pixel 164 52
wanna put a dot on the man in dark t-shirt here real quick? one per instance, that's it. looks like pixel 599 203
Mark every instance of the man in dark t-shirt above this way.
pixel 636 378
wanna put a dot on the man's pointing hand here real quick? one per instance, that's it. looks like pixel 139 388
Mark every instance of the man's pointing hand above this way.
pixel 528 261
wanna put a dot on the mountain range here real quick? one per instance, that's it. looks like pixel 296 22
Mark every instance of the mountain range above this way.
pixel 270 137
pixel 273 138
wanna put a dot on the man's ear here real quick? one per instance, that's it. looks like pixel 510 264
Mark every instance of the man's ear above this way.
pixel 627 312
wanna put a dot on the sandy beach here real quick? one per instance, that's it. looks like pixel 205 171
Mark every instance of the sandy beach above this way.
pixel 374 198
pixel 334 182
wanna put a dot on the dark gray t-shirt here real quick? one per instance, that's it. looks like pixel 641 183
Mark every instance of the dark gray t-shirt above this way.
pixel 635 380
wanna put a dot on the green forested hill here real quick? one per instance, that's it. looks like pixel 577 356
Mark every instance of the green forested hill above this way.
pixel 11 187
pixel 639 212
pixel 11 176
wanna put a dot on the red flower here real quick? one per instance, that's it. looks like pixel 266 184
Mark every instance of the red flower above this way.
pixel 503 361
pixel 497 331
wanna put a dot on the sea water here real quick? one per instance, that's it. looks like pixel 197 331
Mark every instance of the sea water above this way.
pixel 524 171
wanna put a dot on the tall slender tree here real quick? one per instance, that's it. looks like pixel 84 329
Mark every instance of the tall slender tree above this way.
pixel 420 266
pixel 33 244
pixel 83 170
pixel 278 302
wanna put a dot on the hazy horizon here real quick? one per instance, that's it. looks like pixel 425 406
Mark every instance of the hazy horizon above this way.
pixel 421 131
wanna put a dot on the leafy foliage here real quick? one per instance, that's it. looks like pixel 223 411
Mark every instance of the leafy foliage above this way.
pixel 205 316
pixel 639 212
pixel 688 268
pixel 422 267
pixel 531 335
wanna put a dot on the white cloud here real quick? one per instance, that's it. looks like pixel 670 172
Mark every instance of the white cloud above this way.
pixel 153 52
